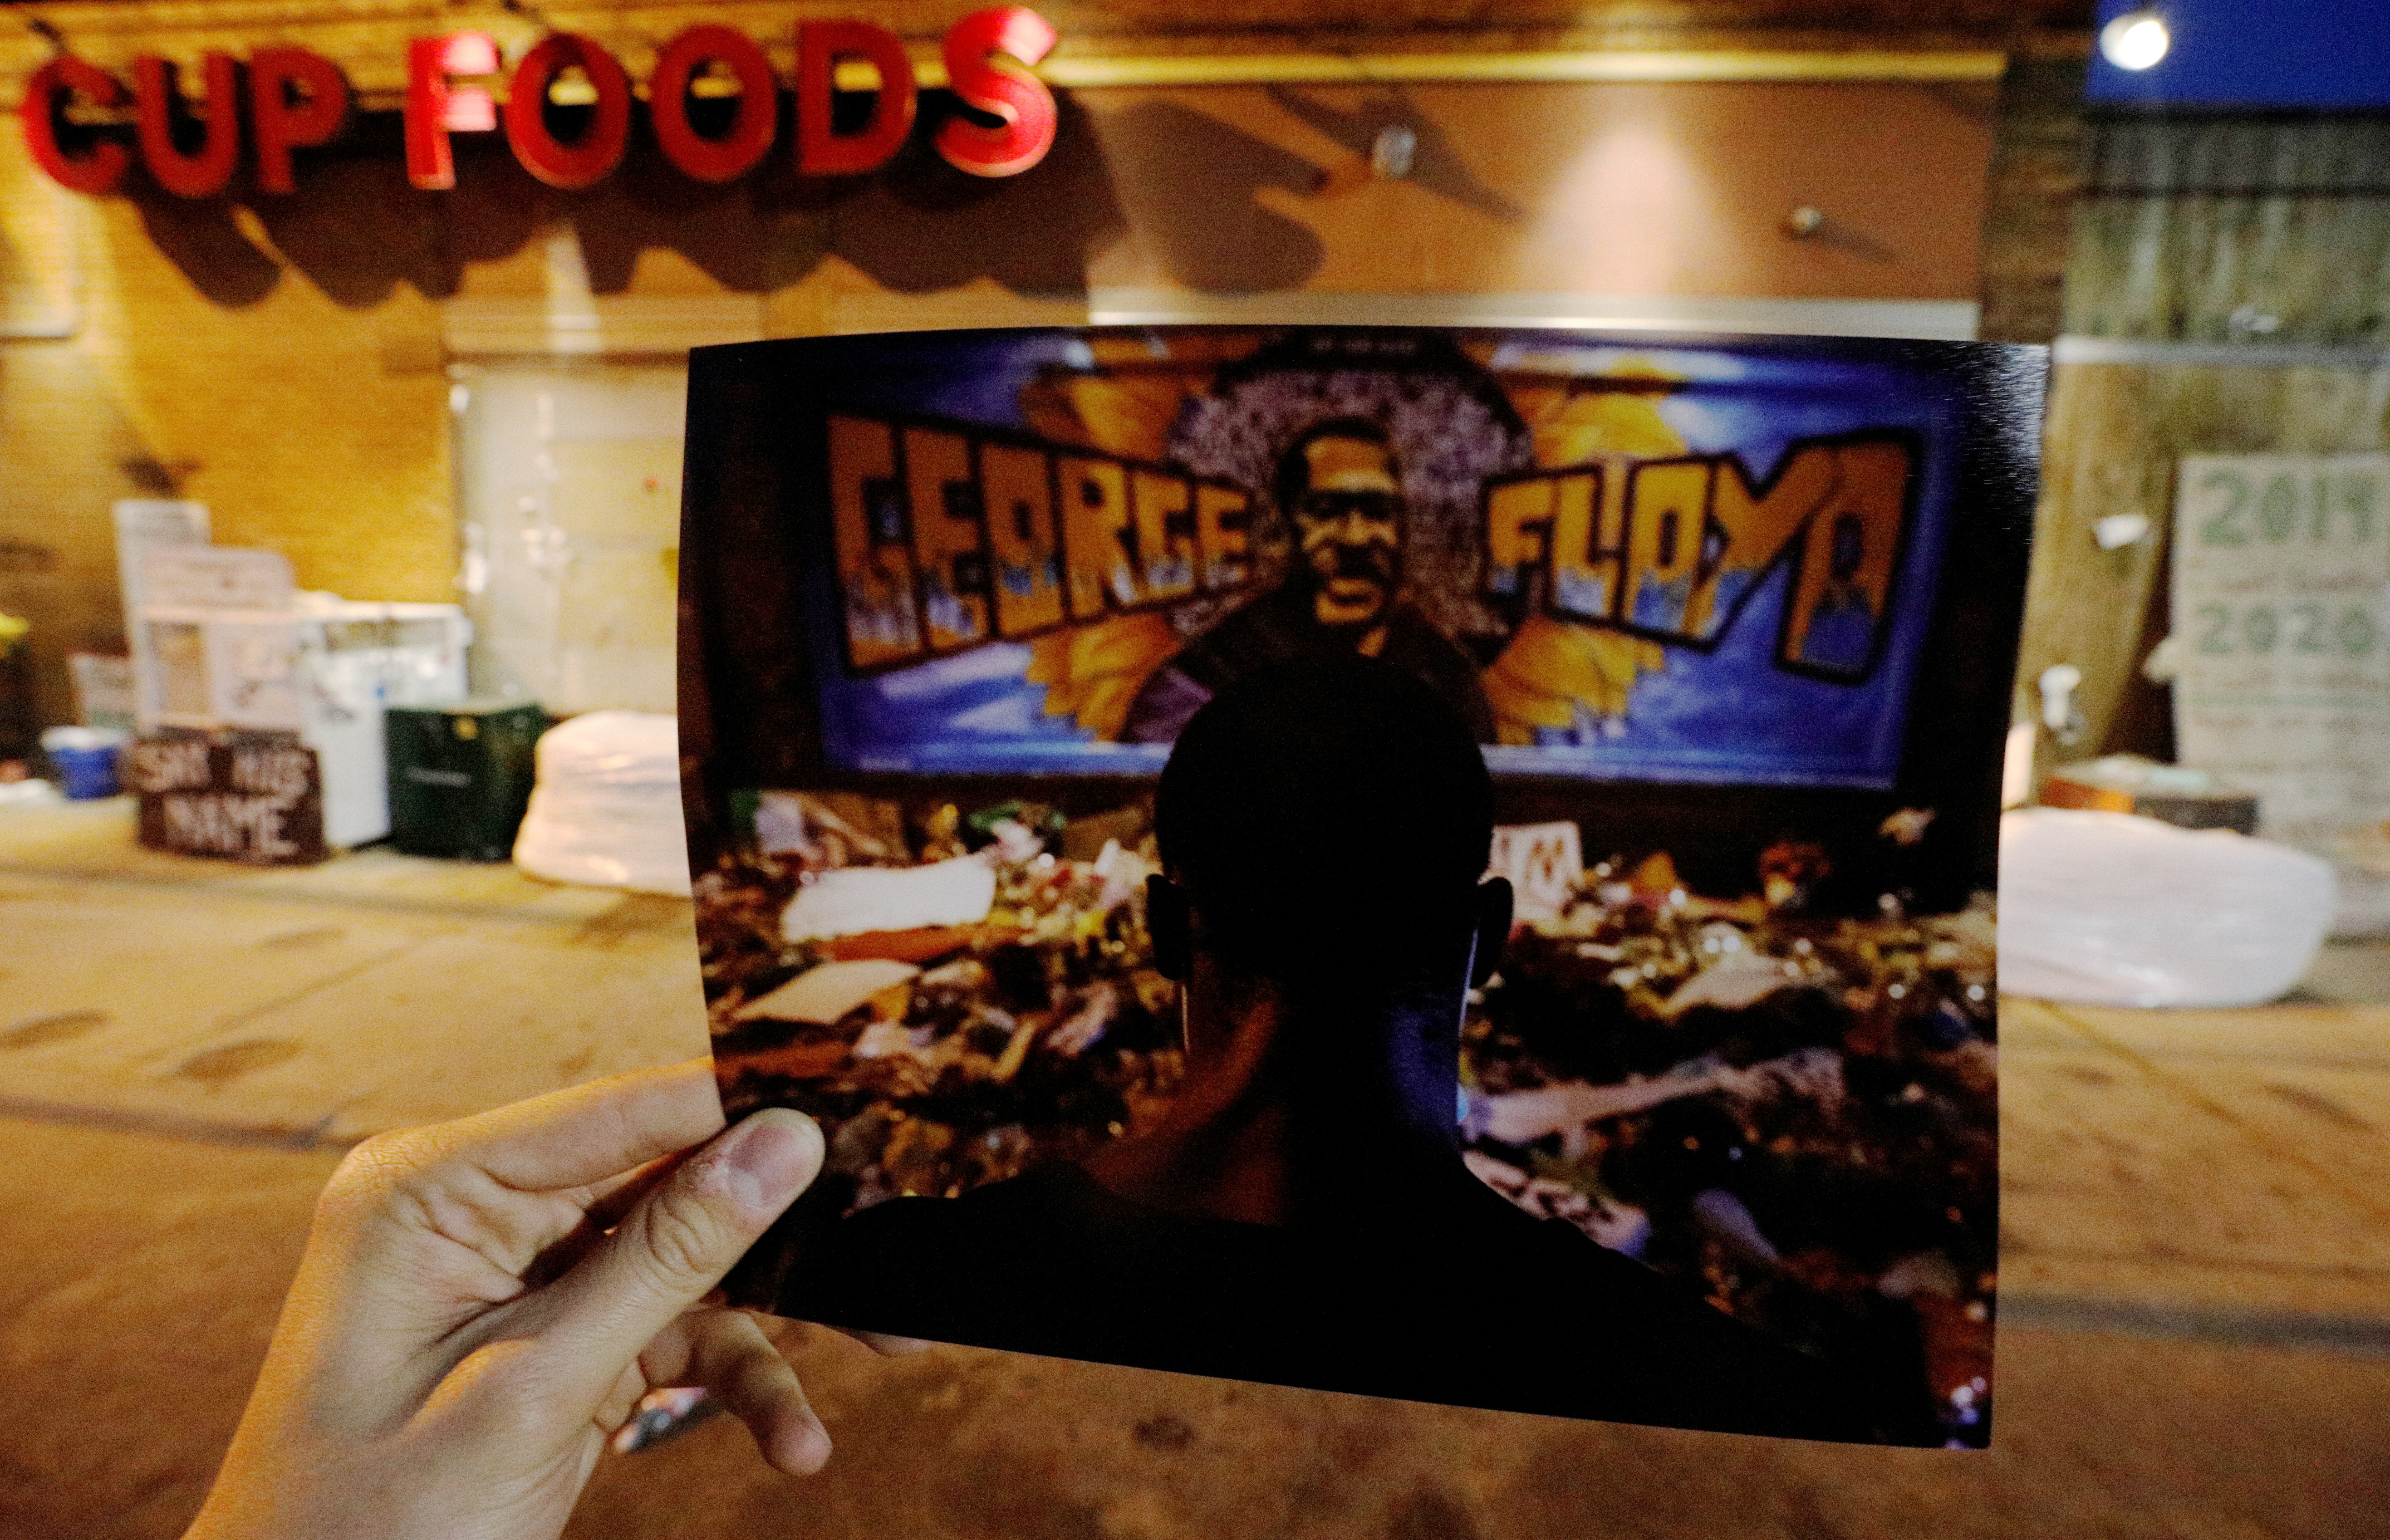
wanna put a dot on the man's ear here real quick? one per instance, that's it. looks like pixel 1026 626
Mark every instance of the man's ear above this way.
pixel 1171 922
pixel 1494 905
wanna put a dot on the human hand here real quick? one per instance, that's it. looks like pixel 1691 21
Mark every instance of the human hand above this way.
pixel 482 1302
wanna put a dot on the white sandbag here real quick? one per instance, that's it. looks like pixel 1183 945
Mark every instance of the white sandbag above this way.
pixel 860 899
pixel 2111 909
pixel 605 809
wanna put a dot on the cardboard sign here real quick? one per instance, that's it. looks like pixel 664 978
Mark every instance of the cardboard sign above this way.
pixel 216 577
pixel 2282 608
pixel 1543 862
pixel 256 799
pixel 143 524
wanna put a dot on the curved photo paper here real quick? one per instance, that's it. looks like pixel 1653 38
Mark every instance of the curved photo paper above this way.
pixel 1704 1132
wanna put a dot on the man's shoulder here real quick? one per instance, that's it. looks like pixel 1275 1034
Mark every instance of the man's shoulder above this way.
pixel 894 1266
pixel 1506 1239
pixel 1047 1198
pixel 1263 630
pixel 1415 642
pixel 1612 1338
pixel 1270 627
pixel 1493 1307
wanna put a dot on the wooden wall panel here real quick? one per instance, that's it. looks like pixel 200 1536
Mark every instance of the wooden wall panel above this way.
pixel 1608 188
pixel 2036 171
pixel 65 455
pixel 2232 236
pixel 2114 435
pixel 315 428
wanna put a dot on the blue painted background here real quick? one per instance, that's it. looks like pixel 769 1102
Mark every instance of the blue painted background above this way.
pixel 1730 716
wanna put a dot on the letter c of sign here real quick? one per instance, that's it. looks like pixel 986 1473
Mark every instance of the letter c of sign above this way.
pixel 97 170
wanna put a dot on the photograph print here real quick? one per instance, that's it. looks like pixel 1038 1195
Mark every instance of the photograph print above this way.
pixel 1441 863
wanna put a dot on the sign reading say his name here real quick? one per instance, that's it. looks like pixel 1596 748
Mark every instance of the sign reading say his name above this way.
pixel 257 798
pixel 2281 579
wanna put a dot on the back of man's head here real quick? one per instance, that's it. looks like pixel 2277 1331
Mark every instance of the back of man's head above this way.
pixel 1326 815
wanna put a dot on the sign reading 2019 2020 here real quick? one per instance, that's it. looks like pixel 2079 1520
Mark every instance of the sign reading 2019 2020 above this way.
pixel 295 99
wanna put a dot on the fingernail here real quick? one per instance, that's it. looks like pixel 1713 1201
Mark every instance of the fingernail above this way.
pixel 770 1157
pixel 812 1450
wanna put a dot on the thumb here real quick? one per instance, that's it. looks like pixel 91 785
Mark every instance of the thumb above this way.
pixel 672 1248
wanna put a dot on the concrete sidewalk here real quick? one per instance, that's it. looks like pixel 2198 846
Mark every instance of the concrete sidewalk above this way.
pixel 145 1273
pixel 2208 1173
pixel 2195 1301
pixel 2204 1171
pixel 315 1005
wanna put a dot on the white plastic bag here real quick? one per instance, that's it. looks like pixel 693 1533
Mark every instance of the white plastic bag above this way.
pixel 605 810
pixel 860 899
pixel 2111 909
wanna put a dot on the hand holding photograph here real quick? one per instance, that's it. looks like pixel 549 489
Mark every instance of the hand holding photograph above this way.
pixel 1444 864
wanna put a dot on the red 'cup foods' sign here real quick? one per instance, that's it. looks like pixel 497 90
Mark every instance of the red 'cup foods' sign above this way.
pixel 296 99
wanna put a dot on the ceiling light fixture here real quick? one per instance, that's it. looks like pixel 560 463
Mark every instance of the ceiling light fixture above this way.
pixel 2136 40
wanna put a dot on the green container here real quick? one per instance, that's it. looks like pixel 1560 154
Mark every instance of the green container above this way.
pixel 460 776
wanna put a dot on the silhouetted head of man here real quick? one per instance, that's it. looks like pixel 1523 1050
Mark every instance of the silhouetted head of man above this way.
pixel 1340 487
pixel 1324 826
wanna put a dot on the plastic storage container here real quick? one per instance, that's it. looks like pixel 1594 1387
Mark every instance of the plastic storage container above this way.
pixel 83 760
pixel 461 775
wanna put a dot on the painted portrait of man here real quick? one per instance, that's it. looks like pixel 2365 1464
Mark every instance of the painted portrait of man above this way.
pixel 1339 485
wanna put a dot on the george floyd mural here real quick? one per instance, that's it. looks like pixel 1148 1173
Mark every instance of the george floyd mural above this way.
pixel 1730 623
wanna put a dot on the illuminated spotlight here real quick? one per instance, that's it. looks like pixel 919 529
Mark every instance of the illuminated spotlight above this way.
pixel 2135 40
